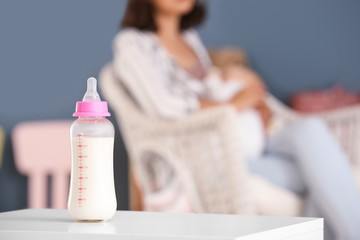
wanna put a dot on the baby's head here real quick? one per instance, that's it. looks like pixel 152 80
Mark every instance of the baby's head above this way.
pixel 224 57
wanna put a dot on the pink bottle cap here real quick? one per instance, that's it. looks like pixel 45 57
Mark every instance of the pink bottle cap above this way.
pixel 91 105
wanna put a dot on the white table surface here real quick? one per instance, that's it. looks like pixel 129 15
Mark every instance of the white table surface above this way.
pixel 57 224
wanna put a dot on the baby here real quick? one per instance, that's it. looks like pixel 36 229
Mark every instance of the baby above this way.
pixel 250 126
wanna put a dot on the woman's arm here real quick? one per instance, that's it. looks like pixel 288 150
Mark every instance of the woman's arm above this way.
pixel 250 97
pixel 247 98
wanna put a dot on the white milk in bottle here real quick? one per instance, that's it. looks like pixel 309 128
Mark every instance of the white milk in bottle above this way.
pixel 92 191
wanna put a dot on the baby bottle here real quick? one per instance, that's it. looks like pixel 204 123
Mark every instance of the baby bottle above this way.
pixel 92 192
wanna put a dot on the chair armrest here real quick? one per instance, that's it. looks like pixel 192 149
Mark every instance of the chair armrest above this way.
pixel 213 117
pixel 345 124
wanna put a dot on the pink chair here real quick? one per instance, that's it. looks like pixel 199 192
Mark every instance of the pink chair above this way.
pixel 42 148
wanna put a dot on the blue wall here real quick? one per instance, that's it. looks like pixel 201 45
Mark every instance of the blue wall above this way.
pixel 49 48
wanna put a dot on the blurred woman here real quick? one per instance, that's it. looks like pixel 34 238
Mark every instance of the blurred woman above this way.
pixel 159 56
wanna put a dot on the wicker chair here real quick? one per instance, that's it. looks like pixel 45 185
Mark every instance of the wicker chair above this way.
pixel 204 152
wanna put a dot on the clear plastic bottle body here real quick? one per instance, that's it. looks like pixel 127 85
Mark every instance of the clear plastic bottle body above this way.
pixel 92 191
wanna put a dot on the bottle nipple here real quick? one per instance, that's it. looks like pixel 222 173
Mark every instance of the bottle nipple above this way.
pixel 91 94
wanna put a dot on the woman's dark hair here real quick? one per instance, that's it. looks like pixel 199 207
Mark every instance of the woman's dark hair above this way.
pixel 140 14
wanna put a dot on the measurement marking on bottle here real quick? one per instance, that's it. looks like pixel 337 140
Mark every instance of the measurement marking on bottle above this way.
pixel 81 168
